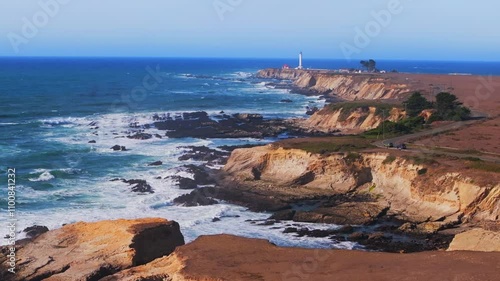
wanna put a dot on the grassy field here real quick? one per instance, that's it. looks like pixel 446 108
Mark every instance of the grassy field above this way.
pixel 324 145
pixel 485 166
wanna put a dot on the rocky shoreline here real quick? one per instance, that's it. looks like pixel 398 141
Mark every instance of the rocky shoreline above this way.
pixel 383 202
pixel 154 249
pixel 375 223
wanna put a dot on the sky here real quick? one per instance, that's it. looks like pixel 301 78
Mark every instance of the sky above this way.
pixel 333 29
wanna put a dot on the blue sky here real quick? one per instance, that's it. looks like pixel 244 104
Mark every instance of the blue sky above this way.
pixel 424 29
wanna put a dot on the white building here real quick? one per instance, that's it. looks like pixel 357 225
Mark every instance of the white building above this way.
pixel 300 62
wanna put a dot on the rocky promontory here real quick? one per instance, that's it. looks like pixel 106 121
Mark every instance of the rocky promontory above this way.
pixel 91 251
pixel 153 249
pixel 341 86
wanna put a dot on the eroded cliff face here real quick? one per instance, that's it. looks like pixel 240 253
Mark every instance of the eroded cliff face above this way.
pixel 91 251
pixel 361 119
pixel 436 196
pixel 343 86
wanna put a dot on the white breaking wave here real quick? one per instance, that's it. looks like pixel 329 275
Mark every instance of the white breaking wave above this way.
pixel 45 176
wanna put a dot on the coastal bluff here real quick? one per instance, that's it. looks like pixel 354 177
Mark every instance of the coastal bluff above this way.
pixel 348 87
pixel 91 251
pixel 152 249
pixel 398 185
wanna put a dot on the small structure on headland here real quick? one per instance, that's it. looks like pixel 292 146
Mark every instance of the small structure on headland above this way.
pixel 300 62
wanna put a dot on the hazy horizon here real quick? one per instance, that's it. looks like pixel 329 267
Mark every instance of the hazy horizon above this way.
pixel 378 29
pixel 246 58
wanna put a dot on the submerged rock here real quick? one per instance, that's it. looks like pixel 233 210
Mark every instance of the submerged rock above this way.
pixel 203 153
pixel 140 186
pixel 35 231
pixel 186 183
pixel 118 148
pixel 200 125
pixel 196 198
pixel 141 136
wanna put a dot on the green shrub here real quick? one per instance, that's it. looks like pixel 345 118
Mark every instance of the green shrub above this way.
pixel 389 159
pixel 472 159
pixel 488 167
pixel 352 157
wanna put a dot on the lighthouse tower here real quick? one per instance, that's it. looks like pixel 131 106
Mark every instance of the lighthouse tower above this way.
pixel 300 61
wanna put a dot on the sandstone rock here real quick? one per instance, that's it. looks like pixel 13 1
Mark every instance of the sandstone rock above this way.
pixel 429 227
pixel 91 251
pixel 407 227
pixel 476 240
pixel 212 258
pixel 442 196
pixel 356 213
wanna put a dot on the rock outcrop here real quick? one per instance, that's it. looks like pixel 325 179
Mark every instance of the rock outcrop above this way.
pixel 91 251
pixel 225 257
pixel 357 119
pixel 343 86
pixel 152 249
pixel 441 195
pixel 476 240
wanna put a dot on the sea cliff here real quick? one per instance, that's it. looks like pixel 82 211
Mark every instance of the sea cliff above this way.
pixel 351 117
pixel 342 86
pixel 418 193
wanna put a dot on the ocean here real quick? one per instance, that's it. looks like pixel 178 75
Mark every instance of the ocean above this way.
pixel 47 106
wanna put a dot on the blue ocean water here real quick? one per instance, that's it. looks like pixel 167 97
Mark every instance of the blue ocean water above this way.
pixel 50 108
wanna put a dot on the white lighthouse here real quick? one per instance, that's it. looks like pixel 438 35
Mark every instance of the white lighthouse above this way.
pixel 300 61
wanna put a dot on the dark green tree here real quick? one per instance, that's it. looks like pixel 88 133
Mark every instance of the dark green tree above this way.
pixel 416 103
pixel 448 107
pixel 370 65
